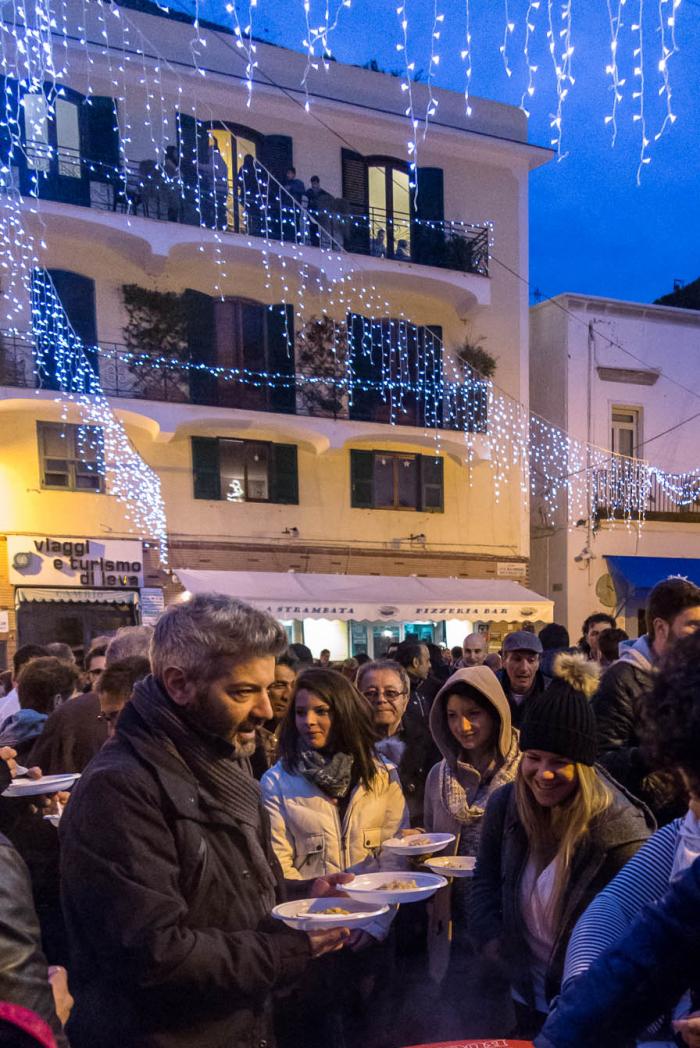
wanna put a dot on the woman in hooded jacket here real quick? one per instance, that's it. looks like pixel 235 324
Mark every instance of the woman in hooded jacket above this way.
pixel 550 842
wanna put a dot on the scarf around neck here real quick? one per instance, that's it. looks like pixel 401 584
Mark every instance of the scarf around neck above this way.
pixel 332 775
pixel 223 778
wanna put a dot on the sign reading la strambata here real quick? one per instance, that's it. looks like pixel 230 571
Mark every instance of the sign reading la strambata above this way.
pixel 48 560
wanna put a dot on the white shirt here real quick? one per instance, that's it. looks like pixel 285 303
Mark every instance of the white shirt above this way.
pixel 540 930
pixel 9 705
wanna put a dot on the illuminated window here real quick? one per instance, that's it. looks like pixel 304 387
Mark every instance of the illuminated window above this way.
pixel 71 458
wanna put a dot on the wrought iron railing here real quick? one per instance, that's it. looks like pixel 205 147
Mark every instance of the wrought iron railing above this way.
pixel 457 406
pixel 255 204
pixel 659 505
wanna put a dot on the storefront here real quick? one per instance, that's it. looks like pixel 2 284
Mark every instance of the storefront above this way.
pixel 353 613
pixel 73 589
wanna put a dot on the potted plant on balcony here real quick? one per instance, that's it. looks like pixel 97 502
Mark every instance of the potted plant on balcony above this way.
pixel 321 349
pixel 156 329
pixel 479 368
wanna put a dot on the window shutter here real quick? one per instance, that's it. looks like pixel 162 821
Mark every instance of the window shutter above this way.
pixel 280 355
pixel 362 479
pixel 77 295
pixel 102 155
pixel 205 468
pixel 430 204
pixel 355 184
pixel 201 340
pixel 276 153
pixel 431 484
pixel 284 474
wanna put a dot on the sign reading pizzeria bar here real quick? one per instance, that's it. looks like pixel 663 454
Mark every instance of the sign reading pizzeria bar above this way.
pixel 44 560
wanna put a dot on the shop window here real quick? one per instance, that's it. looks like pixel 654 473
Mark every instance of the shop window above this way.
pixel 71 458
pixel 396 480
pixel 244 470
pixel 626 436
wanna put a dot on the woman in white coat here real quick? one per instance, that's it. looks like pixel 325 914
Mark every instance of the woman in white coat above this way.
pixel 332 802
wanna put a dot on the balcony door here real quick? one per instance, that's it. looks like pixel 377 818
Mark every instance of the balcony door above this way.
pixel 390 208
pixel 234 147
pixel 53 130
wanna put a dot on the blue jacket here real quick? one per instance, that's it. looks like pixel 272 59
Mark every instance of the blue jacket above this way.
pixel 631 983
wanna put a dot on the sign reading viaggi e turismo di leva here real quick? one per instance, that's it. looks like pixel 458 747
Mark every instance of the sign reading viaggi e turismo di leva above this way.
pixel 42 560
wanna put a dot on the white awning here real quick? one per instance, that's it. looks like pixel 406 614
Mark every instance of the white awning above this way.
pixel 375 598
pixel 76 595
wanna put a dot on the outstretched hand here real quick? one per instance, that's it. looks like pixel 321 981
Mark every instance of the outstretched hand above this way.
pixel 328 886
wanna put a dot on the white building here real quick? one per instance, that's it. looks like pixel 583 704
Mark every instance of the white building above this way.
pixel 612 373
pixel 259 472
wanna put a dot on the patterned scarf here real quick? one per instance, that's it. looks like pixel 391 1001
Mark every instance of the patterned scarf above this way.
pixel 332 775
pixel 224 779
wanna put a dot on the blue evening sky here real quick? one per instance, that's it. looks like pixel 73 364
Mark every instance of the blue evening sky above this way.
pixel 592 229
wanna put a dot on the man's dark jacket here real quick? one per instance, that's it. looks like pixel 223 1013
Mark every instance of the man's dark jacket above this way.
pixel 617 708
pixel 517 709
pixel 71 737
pixel 636 980
pixel 161 905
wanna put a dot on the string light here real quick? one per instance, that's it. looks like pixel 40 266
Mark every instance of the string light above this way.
pixel 507 32
pixel 640 115
pixel 612 69
pixel 532 7
pixel 466 56
pixel 407 88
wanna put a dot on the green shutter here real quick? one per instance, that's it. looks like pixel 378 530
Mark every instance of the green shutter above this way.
pixel 201 342
pixel 205 468
pixel 276 153
pixel 431 484
pixel 102 155
pixel 279 321
pixel 284 474
pixel 362 479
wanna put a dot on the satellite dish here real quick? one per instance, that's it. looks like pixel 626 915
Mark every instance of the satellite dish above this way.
pixel 605 591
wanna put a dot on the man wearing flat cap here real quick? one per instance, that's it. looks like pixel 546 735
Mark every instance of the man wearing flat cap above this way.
pixel 521 677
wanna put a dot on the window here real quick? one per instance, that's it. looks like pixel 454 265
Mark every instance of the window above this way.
pixel 71 457
pixel 625 439
pixel 396 480
pixel 389 209
pixel 36 123
pixel 233 470
pixel 68 138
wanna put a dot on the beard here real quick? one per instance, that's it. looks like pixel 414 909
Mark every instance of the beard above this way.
pixel 244 747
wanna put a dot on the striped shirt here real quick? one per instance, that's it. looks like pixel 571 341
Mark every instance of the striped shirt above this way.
pixel 644 880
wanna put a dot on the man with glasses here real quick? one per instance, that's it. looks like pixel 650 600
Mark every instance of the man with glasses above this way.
pixel 405 738
pixel 280 693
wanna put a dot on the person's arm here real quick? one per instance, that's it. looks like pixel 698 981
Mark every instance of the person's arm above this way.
pixel 134 910
pixel 486 901
pixel 645 973
pixel 24 975
pixel 643 880
pixel 431 787
pixel 613 705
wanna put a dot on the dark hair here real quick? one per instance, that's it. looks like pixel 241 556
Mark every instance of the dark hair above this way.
pixel 97 650
pixel 554 636
pixel 292 169
pixel 121 676
pixel 668 599
pixel 301 653
pixel 609 643
pixel 362 657
pixel 598 616
pixel 457 651
pixel 325 651
pixel 671 711
pixel 287 659
pixel 408 650
pixel 352 728
pixel 315 178
pixel 462 690
pixel 42 679
pixel 23 655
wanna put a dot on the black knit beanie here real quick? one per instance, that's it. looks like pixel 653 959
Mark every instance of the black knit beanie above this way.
pixel 561 719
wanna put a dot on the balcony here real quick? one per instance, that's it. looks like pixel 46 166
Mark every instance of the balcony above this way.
pixel 258 206
pixel 453 406
pixel 658 507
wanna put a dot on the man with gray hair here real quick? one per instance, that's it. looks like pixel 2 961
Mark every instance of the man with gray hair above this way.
pixel 129 642
pixel 168 876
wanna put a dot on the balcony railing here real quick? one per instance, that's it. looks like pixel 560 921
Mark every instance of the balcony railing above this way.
pixel 256 205
pixel 659 506
pixel 445 405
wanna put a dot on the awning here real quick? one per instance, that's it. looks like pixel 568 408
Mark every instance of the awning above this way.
pixel 635 576
pixel 42 595
pixel 290 595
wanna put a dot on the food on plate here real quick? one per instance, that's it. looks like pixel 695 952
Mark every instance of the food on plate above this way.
pixel 425 842
pixel 398 886
pixel 336 909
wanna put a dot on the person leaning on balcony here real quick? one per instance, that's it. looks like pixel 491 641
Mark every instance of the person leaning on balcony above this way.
pixel 402 253
pixel 377 246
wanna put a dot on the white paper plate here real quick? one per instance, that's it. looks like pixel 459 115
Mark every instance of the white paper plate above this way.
pixel 453 865
pixel 46 784
pixel 369 887
pixel 423 844
pixel 308 915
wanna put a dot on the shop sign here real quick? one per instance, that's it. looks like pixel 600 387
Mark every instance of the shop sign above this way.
pixel 511 570
pixel 4 622
pixel 152 604
pixel 42 560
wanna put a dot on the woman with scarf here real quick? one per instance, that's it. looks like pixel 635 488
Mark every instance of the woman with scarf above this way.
pixel 332 802
pixel 550 842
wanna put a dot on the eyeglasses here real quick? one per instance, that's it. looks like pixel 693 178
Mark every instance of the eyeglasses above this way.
pixel 390 694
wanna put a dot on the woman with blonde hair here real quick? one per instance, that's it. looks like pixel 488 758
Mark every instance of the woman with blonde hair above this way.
pixel 550 842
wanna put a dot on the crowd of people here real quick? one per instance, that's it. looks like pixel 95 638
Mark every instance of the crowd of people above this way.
pixel 222 769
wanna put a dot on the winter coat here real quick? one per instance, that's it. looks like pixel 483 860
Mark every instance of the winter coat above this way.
pixel 617 710
pixel 21 730
pixel 311 840
pixel 24 976
pixel 437 816
pixel 414 753
pixel 613 838
pixel 642 975
pixel 162 908
pixel 517 709
pixel 72 736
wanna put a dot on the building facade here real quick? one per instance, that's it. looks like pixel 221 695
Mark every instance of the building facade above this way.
pixel 284 361
pixel 621 376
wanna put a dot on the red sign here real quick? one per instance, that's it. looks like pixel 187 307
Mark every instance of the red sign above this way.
pixel 497 1043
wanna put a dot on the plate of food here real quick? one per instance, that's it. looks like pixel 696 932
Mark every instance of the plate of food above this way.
pixel 395 886
pixel 419 844
pixel 452 865
pixel 46 784
pixel 309 915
